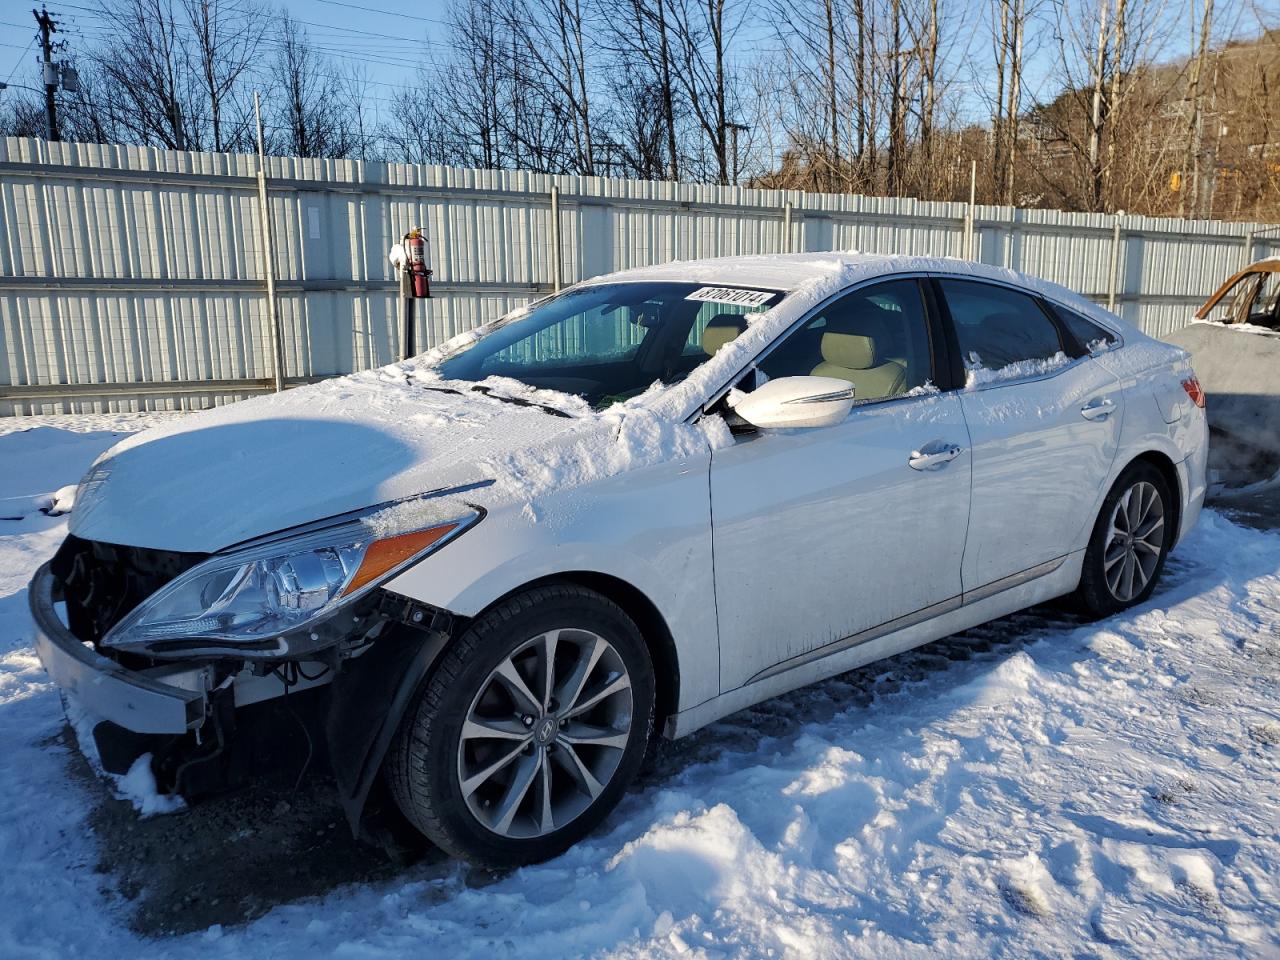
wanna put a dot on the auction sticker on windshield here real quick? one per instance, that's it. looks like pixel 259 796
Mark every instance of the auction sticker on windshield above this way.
pixel 741 298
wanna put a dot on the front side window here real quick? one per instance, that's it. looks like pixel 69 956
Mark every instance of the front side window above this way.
pixel 877 338
pixel 1000 329
pixel 608 342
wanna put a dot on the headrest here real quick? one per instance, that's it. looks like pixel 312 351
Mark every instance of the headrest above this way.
pixel 721 329
pixel 852 350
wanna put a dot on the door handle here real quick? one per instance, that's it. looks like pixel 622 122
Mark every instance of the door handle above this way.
pixel 928 459
pixel 1098 409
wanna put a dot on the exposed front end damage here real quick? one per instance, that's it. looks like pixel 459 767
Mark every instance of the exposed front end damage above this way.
pixel 214 722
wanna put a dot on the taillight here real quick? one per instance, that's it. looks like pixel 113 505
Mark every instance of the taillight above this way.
pixel 1192 386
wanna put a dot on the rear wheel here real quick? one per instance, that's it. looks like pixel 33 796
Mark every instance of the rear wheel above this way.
pixel 1131 539
pixel 530 729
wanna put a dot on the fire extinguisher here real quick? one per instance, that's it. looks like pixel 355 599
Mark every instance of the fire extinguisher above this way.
pixel 416 263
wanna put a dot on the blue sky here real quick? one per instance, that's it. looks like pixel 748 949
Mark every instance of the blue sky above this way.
pixel 389 45
pixel 360 33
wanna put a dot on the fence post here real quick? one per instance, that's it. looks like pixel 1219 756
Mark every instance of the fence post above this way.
pixel 1248 248
pixel 556 254
pixel 269 259
pixel 786 227
pixel 969 216
pixel 1113 284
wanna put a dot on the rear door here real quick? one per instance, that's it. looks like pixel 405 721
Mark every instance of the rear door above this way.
pixel 823 536
pixel 1044 424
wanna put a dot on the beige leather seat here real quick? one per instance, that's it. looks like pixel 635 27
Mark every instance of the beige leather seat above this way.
pixel 721 329
pixel 852 356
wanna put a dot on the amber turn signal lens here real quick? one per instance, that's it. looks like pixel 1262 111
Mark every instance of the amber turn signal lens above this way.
pixel 1192 386
pixel 384 555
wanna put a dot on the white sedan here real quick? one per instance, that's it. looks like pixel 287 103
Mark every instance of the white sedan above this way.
pixel 483 579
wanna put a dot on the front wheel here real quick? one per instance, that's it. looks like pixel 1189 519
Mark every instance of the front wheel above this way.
pixel 1131 539
pixel 529 730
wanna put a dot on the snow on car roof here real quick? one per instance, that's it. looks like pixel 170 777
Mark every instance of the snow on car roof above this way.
pixel 790 271
pixel 781 271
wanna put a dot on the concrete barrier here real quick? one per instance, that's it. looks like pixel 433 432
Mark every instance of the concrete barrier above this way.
pixel 1239 369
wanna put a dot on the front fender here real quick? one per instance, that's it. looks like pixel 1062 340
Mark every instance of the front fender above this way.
pixel 650 528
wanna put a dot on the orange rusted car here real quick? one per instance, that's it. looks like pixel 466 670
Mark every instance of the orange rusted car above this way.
pixel 1251 296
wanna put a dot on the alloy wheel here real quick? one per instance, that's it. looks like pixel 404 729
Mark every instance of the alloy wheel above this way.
pixel 545 733
pixel 1135 541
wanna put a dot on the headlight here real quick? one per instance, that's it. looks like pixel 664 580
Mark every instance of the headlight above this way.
pixel 249 602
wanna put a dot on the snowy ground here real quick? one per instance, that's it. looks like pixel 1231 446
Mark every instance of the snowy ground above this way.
pixel 1036 787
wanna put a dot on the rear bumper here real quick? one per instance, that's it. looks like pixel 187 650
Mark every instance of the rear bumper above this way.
pixel 127 698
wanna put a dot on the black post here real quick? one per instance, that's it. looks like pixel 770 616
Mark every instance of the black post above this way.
pixel 48 26
pixel 408 348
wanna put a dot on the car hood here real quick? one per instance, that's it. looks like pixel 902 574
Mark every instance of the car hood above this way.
pixel 227 475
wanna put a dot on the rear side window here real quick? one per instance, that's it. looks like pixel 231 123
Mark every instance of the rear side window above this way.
pixel 997 327
pixel 1092 337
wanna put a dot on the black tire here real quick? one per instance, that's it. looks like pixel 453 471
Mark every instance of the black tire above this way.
pixel 1095 596
pixel 424 765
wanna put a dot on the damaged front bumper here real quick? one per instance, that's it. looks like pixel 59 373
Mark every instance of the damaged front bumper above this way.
pixel 205 724
pixel 165 700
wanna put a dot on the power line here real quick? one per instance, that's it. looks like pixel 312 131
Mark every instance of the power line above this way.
pixel 390 13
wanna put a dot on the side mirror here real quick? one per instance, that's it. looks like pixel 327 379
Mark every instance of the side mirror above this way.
pixel 797 402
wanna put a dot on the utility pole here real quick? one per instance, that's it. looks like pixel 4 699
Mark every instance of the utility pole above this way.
pixel 734 130
pixel 47 27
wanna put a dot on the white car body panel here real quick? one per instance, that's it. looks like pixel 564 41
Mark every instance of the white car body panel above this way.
pixel 748 526
pixel 1036 460
pixel 804 517
pixel 1060 581
pixel 650 528
pixel 247 456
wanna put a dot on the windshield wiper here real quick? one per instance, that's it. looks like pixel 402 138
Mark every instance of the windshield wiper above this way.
pixel 520 401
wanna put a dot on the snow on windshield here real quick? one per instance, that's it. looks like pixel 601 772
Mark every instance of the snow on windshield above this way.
pixel 607 342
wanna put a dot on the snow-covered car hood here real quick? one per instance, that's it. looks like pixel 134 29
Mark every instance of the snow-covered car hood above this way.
pixel 226 475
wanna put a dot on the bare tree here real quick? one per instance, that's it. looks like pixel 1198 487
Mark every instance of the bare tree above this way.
pixel 1190 189
pixel 311 107
pixel 227 36
pixel 553 47
pixel 21 115
pixel 702 33
pixel 148 65
pixel 642 41
pixel 172 70
pixel 1009 32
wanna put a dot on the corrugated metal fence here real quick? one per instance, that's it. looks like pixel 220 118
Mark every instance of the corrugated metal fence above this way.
pixel 133 278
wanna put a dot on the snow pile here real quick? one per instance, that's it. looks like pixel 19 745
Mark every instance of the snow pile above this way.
pixel 1239 327
pixel 1035 787
pixel 633 437
pixel 138 785
pixel 978 375
pixel 36 450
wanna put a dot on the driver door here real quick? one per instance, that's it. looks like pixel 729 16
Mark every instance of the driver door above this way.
pixel 825 537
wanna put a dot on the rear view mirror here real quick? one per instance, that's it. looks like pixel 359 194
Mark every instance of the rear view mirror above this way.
pixel 797 402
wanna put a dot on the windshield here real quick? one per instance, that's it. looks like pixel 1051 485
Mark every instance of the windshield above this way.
pixel 608 342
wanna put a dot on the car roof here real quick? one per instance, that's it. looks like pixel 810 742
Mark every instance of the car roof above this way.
pixel 787 271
